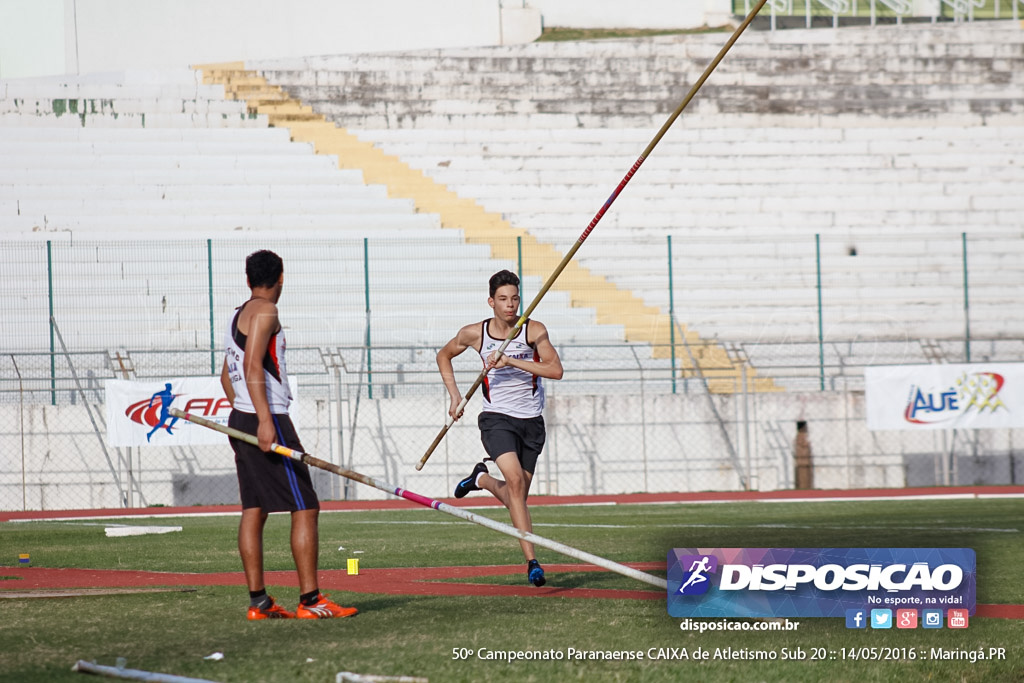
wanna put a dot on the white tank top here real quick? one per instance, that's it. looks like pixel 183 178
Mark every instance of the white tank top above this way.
pixel 508 390
pixel 279 394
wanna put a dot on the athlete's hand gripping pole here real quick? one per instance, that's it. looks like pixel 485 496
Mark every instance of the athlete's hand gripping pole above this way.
pixel 597 217
pixel 449 421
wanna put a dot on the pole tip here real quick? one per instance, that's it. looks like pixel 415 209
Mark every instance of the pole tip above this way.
pixel 419 466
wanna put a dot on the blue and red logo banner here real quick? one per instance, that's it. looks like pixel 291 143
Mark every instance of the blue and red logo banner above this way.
pixel 954 396
pixel 817 582
pixel 138 413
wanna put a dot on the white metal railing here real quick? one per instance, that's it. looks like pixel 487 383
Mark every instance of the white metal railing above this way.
pixel 1013 8
pixel 900 7
pixel 837 7
pixel 962 9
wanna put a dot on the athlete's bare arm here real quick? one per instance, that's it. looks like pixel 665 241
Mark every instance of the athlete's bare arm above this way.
pixel 260 317
pixel 468 336
pixel 225 382
pixel 549 366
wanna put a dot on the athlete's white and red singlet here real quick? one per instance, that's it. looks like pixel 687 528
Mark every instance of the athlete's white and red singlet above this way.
pixel 279 394
pixel 509 390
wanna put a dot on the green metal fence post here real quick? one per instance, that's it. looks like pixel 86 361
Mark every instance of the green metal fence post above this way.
pixel 967 304
pixel 519 252
pixel 53 360
pixel 821 332
pixel 209 271
pixel 671 314
pixel 366 289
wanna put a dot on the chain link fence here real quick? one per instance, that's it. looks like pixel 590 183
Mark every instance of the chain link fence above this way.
pixel 365 318
pixel 603 437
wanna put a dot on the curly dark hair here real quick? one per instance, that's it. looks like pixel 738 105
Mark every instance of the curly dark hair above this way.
pixel 263 268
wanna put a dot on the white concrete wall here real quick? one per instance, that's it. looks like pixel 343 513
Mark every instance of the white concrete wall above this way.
pixel 51 37
pixel 48 37
pixel 31 38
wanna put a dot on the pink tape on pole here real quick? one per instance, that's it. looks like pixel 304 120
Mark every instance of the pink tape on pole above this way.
pixel 417 498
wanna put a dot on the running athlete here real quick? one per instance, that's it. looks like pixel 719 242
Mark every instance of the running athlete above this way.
pixel 511 423
pixel 256 383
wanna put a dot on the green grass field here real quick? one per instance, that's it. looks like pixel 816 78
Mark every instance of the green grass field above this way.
pixel 416 635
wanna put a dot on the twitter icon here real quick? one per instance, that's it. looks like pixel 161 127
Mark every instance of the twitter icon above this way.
pixel 881 618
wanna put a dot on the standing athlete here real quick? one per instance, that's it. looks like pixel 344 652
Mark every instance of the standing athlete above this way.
pixel 511 424
pixel 256 383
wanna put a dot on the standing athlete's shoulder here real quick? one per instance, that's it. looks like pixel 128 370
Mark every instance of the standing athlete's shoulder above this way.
pixel 262 313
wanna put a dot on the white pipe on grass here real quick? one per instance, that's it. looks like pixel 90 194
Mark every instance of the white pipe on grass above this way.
pixel 84 667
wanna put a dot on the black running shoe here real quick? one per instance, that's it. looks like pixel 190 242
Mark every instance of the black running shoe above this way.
pixel 469 483
pixel 535 573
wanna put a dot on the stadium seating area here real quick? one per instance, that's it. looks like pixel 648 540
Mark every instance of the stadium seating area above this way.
pixel 158 157
pixel 888 144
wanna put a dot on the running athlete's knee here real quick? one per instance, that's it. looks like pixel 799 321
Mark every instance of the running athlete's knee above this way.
pixel 516 487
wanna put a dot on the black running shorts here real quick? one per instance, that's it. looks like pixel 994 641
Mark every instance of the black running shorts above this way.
pixel 505 434
pixel 269 481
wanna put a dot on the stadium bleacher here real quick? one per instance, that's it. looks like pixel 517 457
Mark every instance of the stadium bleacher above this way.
pixel 887 143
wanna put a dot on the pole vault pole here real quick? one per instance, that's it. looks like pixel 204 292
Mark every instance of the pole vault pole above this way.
pixel 594 221
pixel 429 502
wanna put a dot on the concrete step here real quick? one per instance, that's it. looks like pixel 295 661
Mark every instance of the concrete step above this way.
pixel 639 137
pixel 182 162
pixel 205 207
pixel 413 148
pixel 223 191
pixel 90 135
pixel 136 120
pixel 166 225
pixel 650 72
pixel 325 175
pixel 601 181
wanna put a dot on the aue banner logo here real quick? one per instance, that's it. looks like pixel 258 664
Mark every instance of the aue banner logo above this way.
pixel 817 582
pixel 945 396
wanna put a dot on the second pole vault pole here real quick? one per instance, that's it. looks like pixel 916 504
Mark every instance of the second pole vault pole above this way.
pixel 429 502
pixel 595 220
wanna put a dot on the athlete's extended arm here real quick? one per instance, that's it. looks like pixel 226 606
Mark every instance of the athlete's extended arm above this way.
pixel 263 323
pixel 468 336
pixel 549 365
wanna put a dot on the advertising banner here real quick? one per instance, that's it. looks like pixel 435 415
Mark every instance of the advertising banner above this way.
pixel 137 411
pixel 963 396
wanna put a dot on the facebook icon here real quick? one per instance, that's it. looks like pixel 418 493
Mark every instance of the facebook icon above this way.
pixel 856 618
